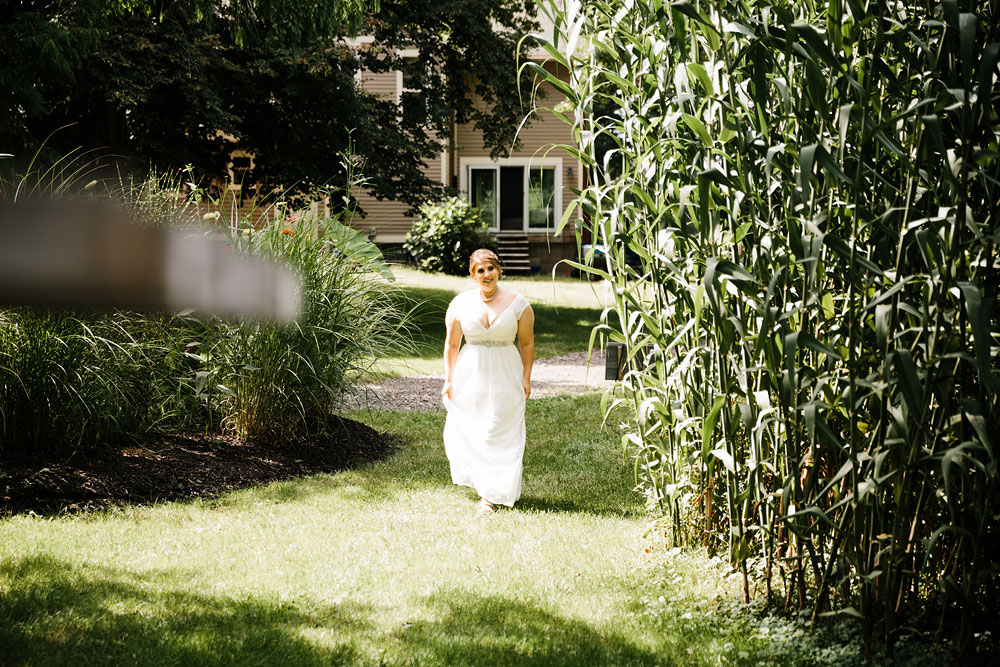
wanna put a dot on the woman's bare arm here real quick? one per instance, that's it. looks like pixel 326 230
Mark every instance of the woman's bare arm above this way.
pixel 452 342
pixel 526 339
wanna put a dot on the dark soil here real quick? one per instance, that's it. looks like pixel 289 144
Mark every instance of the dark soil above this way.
pixel 178 466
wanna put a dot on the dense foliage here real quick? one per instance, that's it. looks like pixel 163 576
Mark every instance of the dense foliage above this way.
pixel 269 381
pixel 445 234
pixel 812 189
pixel 171 84
pixel 70 379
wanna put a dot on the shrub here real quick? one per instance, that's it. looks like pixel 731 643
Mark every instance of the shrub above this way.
pixel 264 380
pixel 71 378
pixel 68 378
pixel 446 234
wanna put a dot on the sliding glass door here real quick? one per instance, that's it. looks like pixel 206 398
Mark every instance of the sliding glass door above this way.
pixel 483 192
pixel 514 198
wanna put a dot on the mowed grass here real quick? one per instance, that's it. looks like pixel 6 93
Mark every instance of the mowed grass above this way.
pixel 387 564
pixel 565 309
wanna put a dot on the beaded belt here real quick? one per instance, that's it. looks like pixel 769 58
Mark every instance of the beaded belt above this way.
pixel 488 343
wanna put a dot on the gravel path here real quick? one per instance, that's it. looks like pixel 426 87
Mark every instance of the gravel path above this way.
pixel 567 374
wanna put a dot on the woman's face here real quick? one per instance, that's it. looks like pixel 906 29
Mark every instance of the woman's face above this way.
pixel 486 275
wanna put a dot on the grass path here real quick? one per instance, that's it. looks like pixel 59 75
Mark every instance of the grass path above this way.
pixel 387 564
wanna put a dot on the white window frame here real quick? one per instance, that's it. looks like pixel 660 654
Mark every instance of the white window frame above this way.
pixel 467 163
pixel 406 54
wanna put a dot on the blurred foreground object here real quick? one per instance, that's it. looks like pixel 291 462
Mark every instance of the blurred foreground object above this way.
pixel 86 253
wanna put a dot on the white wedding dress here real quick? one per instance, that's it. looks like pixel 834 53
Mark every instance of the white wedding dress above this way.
pixel 484 431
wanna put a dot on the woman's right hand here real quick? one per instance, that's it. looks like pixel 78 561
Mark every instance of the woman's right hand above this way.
pixel 446 390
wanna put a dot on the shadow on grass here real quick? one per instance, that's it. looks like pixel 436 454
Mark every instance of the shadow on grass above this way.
pixel 55 613
pixel 52 612
pixel 569 465
pixel 493 630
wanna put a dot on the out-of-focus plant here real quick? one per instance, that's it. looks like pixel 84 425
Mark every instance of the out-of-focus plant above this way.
pixel 71 378
pixel 269 381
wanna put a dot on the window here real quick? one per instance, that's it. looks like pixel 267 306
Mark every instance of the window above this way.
pixel 411 95
pixel 541 198
pixel 513 195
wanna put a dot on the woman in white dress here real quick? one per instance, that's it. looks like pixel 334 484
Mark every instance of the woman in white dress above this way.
pixel 486 384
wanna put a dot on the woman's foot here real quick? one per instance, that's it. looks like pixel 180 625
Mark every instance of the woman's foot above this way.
pixel 485 507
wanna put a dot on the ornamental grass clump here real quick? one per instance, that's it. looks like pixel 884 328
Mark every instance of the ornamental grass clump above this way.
pixel 72 378
pixel 77 378
pixel 444 236
pixel 264 380
pixel 812 329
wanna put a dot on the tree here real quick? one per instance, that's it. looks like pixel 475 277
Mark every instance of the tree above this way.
pixel 165 84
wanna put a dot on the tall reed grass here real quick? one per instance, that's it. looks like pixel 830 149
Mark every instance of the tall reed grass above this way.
pixel 812 190
pixel 70 378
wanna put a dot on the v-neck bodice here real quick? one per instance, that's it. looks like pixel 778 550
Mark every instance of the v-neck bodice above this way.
pixel 502 328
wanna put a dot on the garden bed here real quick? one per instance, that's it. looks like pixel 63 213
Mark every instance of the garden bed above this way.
pixel 172 467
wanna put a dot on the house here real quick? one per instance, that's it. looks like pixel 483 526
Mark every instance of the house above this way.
pixel 522 195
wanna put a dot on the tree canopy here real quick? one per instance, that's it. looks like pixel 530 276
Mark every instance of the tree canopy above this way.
pixel 163 84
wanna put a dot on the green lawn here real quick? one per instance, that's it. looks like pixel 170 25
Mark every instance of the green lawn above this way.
pixel 387 564
pixel 565 312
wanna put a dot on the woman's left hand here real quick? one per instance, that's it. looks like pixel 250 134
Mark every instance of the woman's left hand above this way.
pixel 527 387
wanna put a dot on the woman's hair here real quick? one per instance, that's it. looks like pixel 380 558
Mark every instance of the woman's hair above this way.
pixel 484 255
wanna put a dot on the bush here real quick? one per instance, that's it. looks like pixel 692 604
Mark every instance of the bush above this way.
pixel 446 234
pixel 264 380
pixel 73 377
pixel 70 378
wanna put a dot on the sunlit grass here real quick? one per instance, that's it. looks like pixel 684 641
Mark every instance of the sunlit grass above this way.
pixel 559 291
pixel 384 564
pixel 566 310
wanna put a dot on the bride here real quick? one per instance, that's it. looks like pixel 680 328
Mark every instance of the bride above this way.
pixel 486 384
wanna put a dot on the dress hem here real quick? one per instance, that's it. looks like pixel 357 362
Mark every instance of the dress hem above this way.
pixel 505 503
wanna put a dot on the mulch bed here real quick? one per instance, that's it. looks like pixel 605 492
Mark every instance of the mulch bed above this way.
pixel 176 466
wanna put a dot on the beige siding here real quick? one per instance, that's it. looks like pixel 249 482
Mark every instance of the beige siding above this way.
pixel 544 131
pixel 382 83
pixel 388 217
